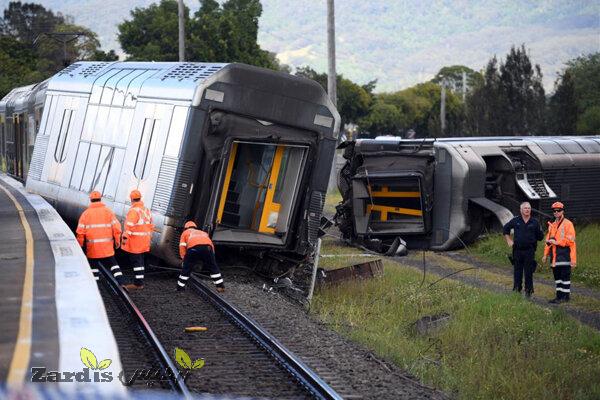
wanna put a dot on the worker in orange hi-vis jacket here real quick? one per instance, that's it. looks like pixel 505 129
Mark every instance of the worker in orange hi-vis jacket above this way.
pixel 99 233
pixel 195 246
pixel 136 237
pixel 560 245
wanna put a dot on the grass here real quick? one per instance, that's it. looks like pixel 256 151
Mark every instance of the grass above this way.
pixel 332 199
pixel 505 280
pixel 496 346
pixel 493 249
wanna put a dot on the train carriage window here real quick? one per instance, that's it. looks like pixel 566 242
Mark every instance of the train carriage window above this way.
pixel 48 118
pixel 59 152
pixel 79 168
pixel 570 146
pixel 124 126
pixel 100 128
pixel 91 114
pixel 550 147
pixel 589 145
pixel 141 164
pixel 176 131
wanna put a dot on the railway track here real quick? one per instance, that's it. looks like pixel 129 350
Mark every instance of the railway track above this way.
pixel 240 357
pixel 142 354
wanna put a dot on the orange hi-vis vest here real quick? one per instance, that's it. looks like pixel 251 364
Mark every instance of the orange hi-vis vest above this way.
pixel 193 237
pixel 138 229
pixel 99 230
pixel 565 251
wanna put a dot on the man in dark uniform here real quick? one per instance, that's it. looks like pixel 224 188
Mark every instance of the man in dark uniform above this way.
pixel 527 232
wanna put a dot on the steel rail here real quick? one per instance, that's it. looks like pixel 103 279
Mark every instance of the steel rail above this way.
pixel 306 377
pixel 176 382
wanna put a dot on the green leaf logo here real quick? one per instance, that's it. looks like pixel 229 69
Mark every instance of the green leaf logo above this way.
pixel 88 358
pixel 182 358
pixel 199 363
pixel 105 363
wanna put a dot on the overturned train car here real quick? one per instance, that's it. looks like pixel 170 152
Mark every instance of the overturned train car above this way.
pixel 243 151
pixel 442 194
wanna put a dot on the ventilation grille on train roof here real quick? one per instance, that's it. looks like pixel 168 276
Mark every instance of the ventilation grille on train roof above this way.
pixel 93 69
pixel 84 70
pixel 191 71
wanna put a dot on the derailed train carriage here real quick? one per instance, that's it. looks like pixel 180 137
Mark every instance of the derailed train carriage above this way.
pixel 244 151
pixel 441 194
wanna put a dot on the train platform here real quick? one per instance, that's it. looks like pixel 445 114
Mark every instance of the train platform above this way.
pixel 53 318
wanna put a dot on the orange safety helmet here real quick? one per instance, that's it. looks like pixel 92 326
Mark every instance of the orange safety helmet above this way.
pixel 190 224
pixel 135 195
pixel 95 195
pixel 557 205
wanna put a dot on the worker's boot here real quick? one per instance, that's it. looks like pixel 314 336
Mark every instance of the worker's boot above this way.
pixel 220 288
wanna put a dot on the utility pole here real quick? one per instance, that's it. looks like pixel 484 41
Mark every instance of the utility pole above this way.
pixel 180 14
pixel 331 74
pixel 443 108
pixel 331 79
pixel 464 85
pixel 64 38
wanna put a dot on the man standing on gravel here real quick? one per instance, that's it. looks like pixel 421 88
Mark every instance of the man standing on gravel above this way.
pixel 561 243
pixel 527 232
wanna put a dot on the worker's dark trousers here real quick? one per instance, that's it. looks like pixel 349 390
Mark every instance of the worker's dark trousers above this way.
pixel 136 261
pixel 524 261
pixel 204 254
pixel 107 262
pixel 562 278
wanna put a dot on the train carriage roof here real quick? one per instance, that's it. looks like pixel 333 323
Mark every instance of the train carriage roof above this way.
pixel 549 145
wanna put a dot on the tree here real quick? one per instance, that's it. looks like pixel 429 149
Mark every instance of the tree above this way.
pixel 38 30
pixel 452 76
pixel 383 119
pixel 524 94
pixel 26 21
pixel 153 32
pixel 17 65
pixel 416 108
pixel 563 106
pixel 215 33
pixel 575 105
pixel 353 100
pixel 510 100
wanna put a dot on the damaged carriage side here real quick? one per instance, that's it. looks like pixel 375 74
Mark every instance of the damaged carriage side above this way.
pixel 243 151
pixel 441 194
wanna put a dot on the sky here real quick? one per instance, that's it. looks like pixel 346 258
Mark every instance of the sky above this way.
pixel 397 42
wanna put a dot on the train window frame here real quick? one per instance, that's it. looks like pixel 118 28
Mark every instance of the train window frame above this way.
pixel 62 137
pixel 140 167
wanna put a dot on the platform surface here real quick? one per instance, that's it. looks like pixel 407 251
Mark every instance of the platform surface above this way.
pixel 50 307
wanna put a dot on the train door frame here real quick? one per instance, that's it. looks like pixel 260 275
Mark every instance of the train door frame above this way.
pixel 262 216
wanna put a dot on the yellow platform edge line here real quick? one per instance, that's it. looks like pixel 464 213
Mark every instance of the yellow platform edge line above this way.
pixel 22 353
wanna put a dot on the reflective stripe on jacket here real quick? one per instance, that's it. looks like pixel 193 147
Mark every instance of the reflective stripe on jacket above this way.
pixel 138 228
pixel 193 237
pixel 99 230
pixel 565 250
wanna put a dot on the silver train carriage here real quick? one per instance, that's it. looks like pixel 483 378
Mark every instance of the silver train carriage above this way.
pixel 20 115
pixel 441 194
pixel 243 151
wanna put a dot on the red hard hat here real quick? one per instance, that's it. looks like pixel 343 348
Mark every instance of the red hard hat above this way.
pixel 95 195
pixel 190 224
pixel 135 195
pixel 558 204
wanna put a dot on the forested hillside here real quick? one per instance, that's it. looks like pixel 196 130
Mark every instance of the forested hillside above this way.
pixel 397 43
